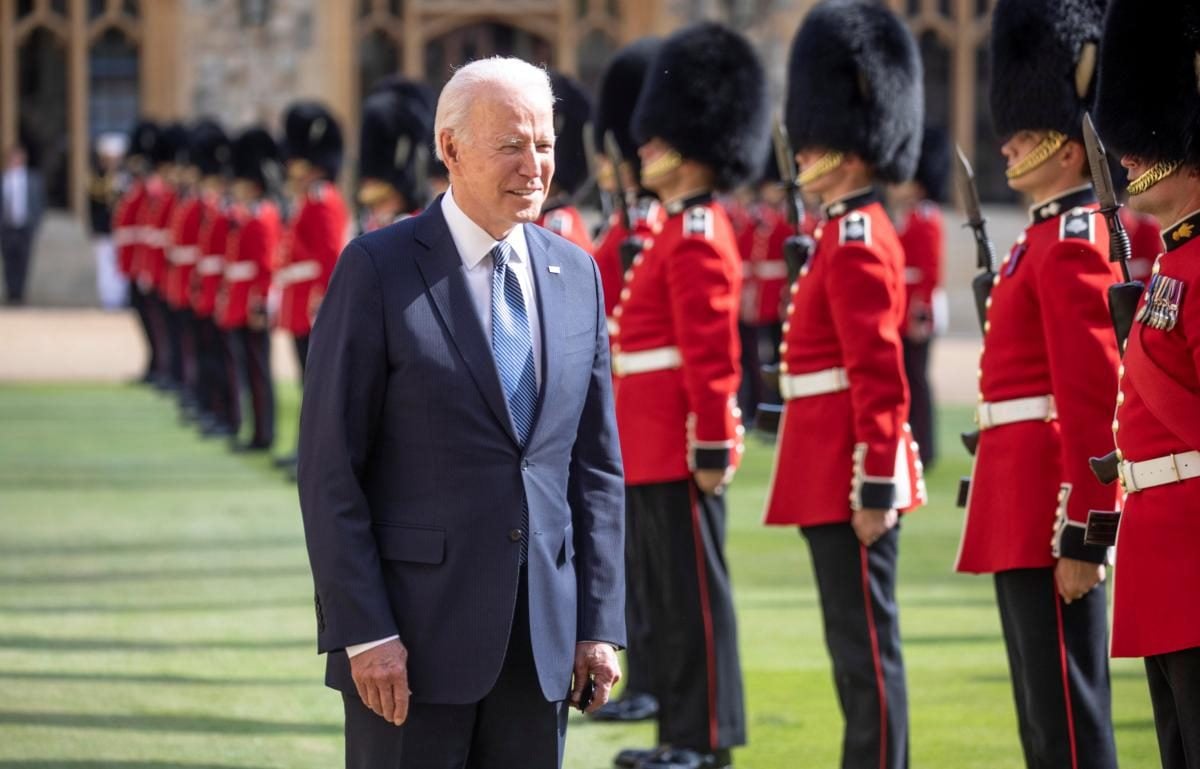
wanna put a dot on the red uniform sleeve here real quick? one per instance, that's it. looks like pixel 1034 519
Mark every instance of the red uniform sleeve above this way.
pixel 864 299
pixel 1081 348
pixel 324 238
pixel 704 288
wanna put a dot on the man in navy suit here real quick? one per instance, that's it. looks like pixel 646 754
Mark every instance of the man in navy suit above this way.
pixel 460 476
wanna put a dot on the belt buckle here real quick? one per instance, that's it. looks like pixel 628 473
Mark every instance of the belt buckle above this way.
pixel 1175 469
pixel 1125 477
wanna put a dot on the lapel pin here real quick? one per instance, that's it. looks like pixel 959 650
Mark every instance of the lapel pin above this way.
pixel 555 269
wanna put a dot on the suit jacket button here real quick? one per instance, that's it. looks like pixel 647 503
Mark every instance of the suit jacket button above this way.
pixel 514 535
pixel 524 464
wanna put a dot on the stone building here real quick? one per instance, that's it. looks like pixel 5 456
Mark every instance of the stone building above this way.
pixel 71 69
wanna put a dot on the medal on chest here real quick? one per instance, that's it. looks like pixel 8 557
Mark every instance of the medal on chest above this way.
pixel 1163 298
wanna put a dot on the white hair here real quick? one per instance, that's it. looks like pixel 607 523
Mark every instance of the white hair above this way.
pixel 498 72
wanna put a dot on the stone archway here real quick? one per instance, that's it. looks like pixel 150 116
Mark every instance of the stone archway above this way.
pixel 480 39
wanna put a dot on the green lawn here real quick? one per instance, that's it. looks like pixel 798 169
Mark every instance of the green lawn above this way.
pixel 155 611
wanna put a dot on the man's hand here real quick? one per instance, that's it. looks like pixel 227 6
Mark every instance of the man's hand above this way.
pixel 871 523
pixel 597 661
pixel 1075 579
pixel 713 481
pixel 381 677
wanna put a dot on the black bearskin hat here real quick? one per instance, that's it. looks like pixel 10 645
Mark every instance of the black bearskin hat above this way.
pixel 706 96
pixel 1043 55
pixel 257 158
pixel 572 111
pixel 933 168
pixel 211 151
pixel 313 134
pixel 855 85
pixel 143 138
pixel 620 85
pixel 172 145
pixel 1147 103
pixel 397 138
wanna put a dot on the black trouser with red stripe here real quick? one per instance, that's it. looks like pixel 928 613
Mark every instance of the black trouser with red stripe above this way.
pixel 921 411
pixel 139 301
pixel 1175 693
pixel 857 586
pixel 677 568
pixel 251 350
pixel 1058 660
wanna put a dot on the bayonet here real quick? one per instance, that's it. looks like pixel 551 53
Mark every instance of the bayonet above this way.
pixel 799 246
pixel 985 253
pixel 632 246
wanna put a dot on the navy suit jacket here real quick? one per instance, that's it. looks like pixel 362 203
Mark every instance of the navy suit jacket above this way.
pixel 411 477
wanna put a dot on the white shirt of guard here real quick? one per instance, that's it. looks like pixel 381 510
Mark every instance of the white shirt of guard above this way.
pixel 474 247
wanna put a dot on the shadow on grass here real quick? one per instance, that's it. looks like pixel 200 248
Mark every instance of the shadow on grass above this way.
pixel 928 640
pixel 1135 725
pixel 58 763
pixel 52 644
pixel 163 723
pixel 1001 678
pixel 119 575
pixel 159 608
pixel 142 678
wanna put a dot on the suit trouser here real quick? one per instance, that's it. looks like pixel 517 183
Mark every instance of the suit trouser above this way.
pixel 513 727
pixel 1058 660
pixel 920 415
pixel 140 302
pixel 1175 693
pixel 16 244
pixel 857 586
pixel 252 352
pixel 678 571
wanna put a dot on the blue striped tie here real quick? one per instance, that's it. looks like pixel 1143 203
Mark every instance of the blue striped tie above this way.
pixel 512 347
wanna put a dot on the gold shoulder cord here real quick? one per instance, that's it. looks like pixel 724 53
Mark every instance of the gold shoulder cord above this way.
pixel 1156 173
pixel 1038 155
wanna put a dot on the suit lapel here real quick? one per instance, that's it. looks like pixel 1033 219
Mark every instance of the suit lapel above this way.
pixel 546 270
pixel 442 270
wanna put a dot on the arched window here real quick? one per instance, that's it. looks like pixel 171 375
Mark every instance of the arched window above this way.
pixel 112 83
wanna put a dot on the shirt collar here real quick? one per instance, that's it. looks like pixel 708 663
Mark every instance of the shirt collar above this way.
pixel 1182 231
pixel 850 202
pixel 472 241
pixel 1059 204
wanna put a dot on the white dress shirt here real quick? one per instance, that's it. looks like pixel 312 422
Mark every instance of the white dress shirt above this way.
pixel 474 247
pixel 15 196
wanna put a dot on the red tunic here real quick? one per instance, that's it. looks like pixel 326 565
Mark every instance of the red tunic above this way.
pixel 154 218
pixel 566 222
pixel 184 252
pixel 924 241
pixel 250 250
pixel 681 295
pixel 1048 332
pixel 840 450
pixel 1145 242
pixel 127 232
pixel 210 268
pixel 313 240
pixel 1158 570
pixel 764 270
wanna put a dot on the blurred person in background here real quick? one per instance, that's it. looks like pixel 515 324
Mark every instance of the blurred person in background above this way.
pixel 104 191
pixel 394 149
pixel 572 111
pixel 917 206
pixel 128 232
pixel 22 202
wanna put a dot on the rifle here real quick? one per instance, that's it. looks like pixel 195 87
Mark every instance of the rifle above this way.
pixel 985 257
pixel 1123 299
pixel 632 246
pixel 798 248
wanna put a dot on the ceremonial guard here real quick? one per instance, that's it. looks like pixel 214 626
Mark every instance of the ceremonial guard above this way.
pixel 701 119
pixel 241 309
pixel 620 85
pixel 1047 379
pixel 317 228
pixel 215 395
pixel 1148 113
pixel 395 147
pixel 619 176
pixel 846 464
pixel 127 231
pixel 572 111
pixel 923 237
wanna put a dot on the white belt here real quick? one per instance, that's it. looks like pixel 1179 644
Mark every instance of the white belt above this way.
pixel 830 380
pixel 769 270
pixel 1038 408
pixel 913 275
pixel 213 264
pixel 240 272
pixel 643 361
pixel 1173 468
pixel 295 273
pixel 183 255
